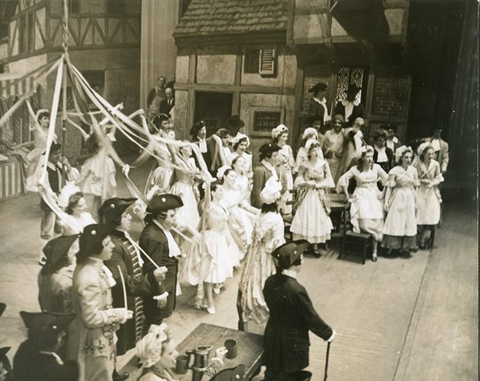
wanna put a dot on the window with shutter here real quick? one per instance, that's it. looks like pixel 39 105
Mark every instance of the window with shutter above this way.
pixel 267 62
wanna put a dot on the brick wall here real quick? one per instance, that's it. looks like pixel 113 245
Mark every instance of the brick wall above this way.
pixel 391 94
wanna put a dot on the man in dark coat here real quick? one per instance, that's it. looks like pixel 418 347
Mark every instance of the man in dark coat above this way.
pixel 266 169
pixel 382 155
pixel 351 108
pixel 292 315
pixel 157 241
pixel 168 103
pixel 38 358
pixel 126 258
pixel 318 109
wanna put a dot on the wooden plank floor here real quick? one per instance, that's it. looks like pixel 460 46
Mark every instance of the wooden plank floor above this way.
pixel 398 319
pixel 442 343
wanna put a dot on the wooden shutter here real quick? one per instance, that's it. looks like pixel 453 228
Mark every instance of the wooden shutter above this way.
pixel 267 62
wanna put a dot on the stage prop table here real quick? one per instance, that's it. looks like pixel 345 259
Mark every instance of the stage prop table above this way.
pixel 249 348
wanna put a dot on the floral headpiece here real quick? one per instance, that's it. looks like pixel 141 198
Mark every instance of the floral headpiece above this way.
pixel 422 147
pixel 280 129
pixel 239 137
pixel 221 171
pixel 149 349
pixel 366 149
pixel 67 191
pixel 400 151
pixel 309 132
pixel 271 192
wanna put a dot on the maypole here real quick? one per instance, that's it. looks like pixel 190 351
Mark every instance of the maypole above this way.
pixel 64 95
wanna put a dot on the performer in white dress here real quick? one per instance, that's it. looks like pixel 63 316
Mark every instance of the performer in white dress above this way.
pixel 161 173
pixel 242 214
pixel 97 175
pixel 312 207
pixel 268 234
pixel 216 265
pixel 244 180
pixel 310 133
pixel 400 203
pixel 239 144
pixel 366 210
pixel 286 165
pixel 184 186
pixel 428 194
pixel 39 131
pixel 76 216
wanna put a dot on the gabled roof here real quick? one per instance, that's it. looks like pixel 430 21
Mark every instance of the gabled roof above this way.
pixel 220 17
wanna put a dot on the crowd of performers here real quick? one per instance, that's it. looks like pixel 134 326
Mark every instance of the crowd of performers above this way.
pixel 207 212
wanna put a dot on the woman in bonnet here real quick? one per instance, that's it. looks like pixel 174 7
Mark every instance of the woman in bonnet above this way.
pixel 428 194
pixel 268 234
pixel 287 164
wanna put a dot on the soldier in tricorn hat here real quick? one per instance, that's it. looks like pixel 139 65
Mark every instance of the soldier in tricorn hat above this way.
pixel 292 315
pixel 157 241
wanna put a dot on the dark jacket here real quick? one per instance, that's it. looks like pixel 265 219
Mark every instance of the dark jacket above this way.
pixel 165 107
pixel 316 111
pixel 357 112
pixel 386 166
pixel 154 242
pixel 137 285
pixel 31 365
pixel 292 315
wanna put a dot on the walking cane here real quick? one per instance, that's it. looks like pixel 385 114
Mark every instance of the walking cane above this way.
pixel 326 361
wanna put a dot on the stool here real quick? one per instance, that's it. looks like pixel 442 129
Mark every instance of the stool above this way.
pixel 355 244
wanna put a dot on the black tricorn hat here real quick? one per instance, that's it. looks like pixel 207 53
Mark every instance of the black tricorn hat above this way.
pixel 235 121
pixel 43 325
pixel 379 133
pixel 163 202
pixel 55 147
pixel 114 208
pixel 286 254
pixel 389 126
pixel 56 249
pixel 269 147
pixel 318 87
pixel 91 240
pixel 353 89
pixel 196 128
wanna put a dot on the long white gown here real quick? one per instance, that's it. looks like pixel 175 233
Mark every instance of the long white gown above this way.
pixel 366 210
pixel 312 221
pixel 428 194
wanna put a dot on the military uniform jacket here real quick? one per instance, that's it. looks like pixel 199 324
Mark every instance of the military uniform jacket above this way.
pixel 292 315
pixel 138 285
pixel 91 336
pixel 154 242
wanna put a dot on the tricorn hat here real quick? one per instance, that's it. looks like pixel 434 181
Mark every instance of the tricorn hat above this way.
pixel 42 326
pixel 269 148
pixel 389 126
pixel 56 249
pixel 163 202
pixel 55 147
pixel 353 89
pixel 196 128
pixel 318 87
pixel 286 254
pixel 114 208
pixel 235 121
pixel 91 240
